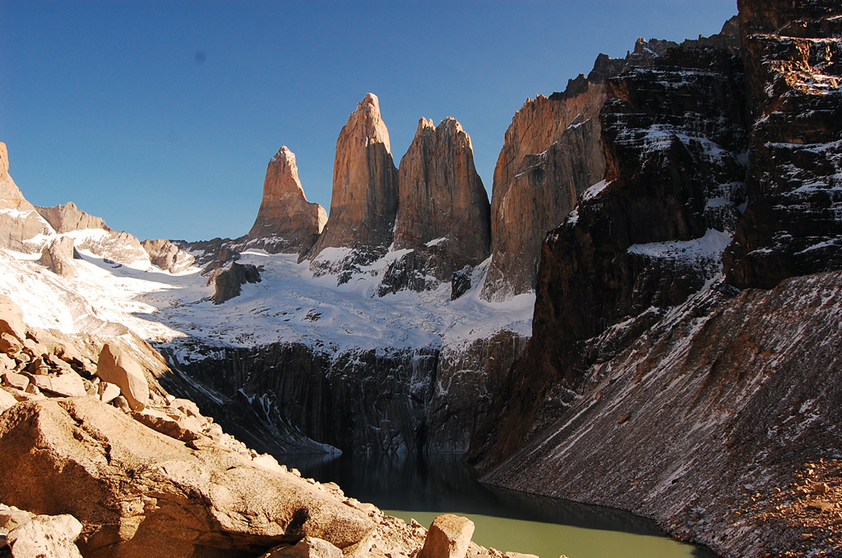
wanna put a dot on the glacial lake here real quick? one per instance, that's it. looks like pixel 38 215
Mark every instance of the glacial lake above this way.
pixel 410 487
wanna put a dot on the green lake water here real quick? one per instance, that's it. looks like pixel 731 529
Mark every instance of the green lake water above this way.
pixel 420 488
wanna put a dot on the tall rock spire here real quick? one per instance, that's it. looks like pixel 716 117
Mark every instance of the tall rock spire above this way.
pixel 286 221
pixel 364 202
pixel 441 194
pixel 443 207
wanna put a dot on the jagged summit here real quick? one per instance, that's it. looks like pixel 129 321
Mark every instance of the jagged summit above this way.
pixel 286 221
pixel 66 218
pixel 443 210
pixel 364 201
pixel 20 223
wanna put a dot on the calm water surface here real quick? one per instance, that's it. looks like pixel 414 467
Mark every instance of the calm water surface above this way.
pixel 410 487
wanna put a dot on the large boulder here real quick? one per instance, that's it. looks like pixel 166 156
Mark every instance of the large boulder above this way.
pixel 135 489
pixel 449 537
pixel 58 256
pixel 11 318
pixel 286 221
pixel 117 366
pixel 45 536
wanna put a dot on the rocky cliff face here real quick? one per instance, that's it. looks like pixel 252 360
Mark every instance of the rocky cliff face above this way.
pixel 67 218
pixel 291 398
pixel 647 236
pixel 443 210
pixel 793 221
pixel 167 256
pixel 286 221
pixel 551 153
pixel 364 201
pixel 19 222
pixel 653 383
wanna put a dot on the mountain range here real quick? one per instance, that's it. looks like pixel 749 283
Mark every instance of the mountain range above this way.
pixel 645 315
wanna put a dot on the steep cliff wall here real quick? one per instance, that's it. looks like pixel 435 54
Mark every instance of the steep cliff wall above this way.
pixel 443 210
pixel 652 383
pixel 19 221
pixel 793 221
pixel 552 152
pixel 286 396
pixel 720 422
pixel 647 236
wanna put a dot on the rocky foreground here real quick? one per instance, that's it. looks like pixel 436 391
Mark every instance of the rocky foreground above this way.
pixel 97 452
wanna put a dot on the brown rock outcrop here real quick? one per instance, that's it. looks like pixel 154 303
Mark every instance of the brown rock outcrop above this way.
pixel 19 221
pixel 58 256
pixel 117 246
pixel 68 217
pixel 793 220
pixel 552 152
pixel 229 279
pixel 364 201
pixel 167 255
pixel 76 455
pixel 286 222
pixel 117 366
pixel 442 199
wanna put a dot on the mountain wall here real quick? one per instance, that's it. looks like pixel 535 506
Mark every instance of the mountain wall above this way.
pixel 443 210
pixel 293 398
pixel 793 222
pixel 652 382
pixel 551 154
pixel 649 235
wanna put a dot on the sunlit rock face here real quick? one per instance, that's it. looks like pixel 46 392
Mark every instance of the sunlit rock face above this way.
pixel 364 202
pixel 286 222
pixel 442 200
pixel 67 218
pixel 551 153
pixel 793 222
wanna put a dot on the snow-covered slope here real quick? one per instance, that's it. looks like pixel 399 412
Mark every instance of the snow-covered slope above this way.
pixel 288 305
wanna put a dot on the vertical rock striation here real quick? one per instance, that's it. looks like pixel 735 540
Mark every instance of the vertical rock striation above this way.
pixel 443 211
pixel 793 221
pixel 286 221
pixel 364 201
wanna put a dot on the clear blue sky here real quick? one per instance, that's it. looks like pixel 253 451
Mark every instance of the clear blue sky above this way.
pixel 161 116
